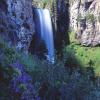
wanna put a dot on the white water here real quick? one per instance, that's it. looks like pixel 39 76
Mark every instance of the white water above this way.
pixel 45 31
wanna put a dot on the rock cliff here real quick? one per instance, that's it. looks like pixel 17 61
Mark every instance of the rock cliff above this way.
pixel 85 21
pixel 17 25
pixel 16 22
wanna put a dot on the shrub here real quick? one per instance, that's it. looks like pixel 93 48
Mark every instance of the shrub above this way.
pixel 90 17
pixel 99 18
pixel 84 55
pixel 79 18
pixel 29 78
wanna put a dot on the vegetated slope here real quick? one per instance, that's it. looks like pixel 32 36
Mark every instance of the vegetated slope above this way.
pixel 86 56
pixel 26 78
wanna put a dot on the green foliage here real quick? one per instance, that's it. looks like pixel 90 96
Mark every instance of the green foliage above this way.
pixel 72 37
pixel 7 53
pixel 10 55
pixel 99 18
pixel 42 3
pixel 86 56
pixel 22 87
pixel 52 75
pixel 79 18
pixel 71 1
pixel 90 17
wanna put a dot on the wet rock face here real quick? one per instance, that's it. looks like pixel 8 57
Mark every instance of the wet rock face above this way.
pixel 16 22
pixel 85 21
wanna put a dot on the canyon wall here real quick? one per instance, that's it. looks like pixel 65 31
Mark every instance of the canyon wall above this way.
pixel 85 21
pixel 16 23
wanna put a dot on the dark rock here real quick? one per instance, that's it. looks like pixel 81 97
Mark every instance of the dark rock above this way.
pixel 16 22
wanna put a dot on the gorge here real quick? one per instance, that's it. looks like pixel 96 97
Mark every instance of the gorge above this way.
pixel 49 50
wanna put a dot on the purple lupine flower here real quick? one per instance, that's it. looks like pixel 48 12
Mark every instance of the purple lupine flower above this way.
pixel 25 80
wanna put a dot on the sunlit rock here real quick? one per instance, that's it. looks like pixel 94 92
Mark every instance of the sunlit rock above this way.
pixel 85 21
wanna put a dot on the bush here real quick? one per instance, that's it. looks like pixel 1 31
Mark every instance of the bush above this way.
pixel 79 18
pixel 99 18
pixel 29 78
pixel 90 17
pixel 85 56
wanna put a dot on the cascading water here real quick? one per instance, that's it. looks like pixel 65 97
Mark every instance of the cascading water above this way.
pixel 44 31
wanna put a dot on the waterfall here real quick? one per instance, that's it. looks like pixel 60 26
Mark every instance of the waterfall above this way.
pixel 44 31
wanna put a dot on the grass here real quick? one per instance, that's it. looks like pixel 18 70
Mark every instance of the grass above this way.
pixel 87 56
